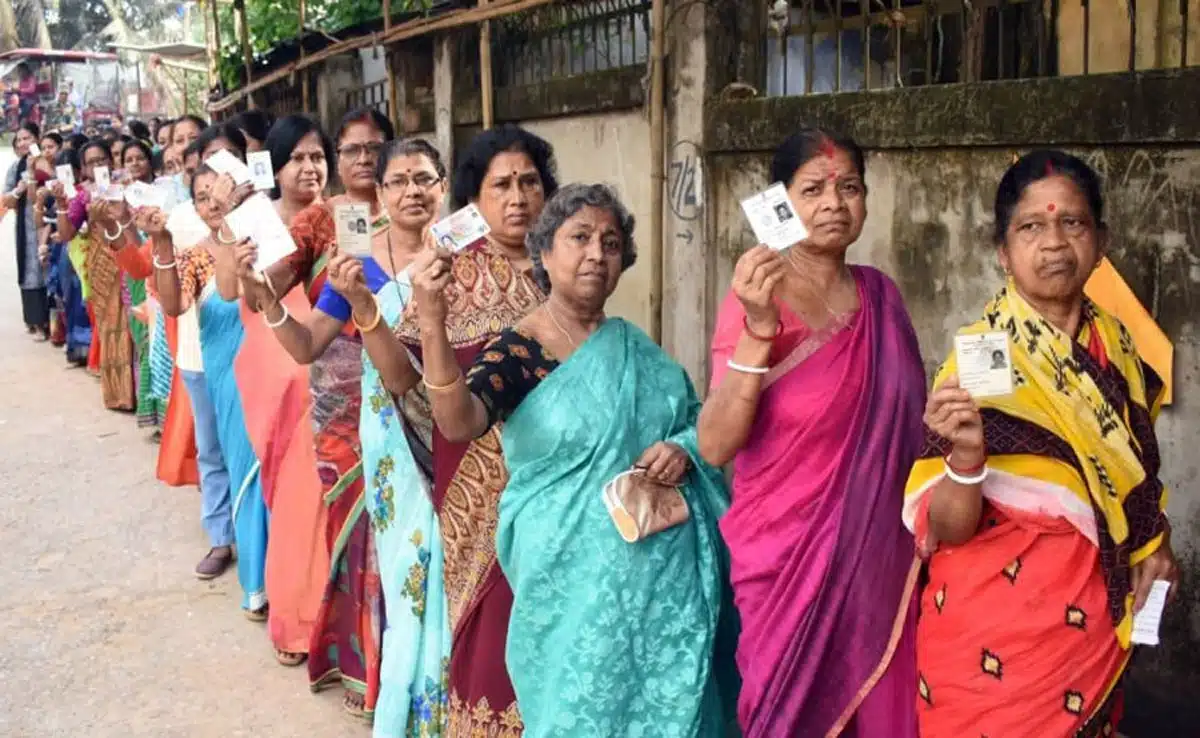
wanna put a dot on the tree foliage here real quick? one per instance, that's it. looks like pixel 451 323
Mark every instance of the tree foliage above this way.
pixel 272 22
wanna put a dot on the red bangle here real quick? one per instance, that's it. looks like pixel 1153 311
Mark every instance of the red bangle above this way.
pixel 760 337
pixel 966 472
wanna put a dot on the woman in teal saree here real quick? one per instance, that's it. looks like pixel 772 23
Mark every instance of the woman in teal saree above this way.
pixel 607 637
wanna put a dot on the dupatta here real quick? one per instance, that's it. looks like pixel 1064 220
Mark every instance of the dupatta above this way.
pixel 823 571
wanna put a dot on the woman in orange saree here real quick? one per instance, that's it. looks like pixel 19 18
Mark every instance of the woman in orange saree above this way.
pixel 345 641
pixel 1041 510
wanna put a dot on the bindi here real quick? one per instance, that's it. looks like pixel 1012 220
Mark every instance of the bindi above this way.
pixel 1051 208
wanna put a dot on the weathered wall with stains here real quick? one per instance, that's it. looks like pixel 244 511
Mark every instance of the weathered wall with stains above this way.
pixel 932 176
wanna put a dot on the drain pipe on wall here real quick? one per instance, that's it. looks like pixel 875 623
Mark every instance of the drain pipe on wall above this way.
pixel 658 179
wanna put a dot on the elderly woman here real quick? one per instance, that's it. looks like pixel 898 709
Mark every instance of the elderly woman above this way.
pixel 371 294
pixel 816 397
pixel 1040 510
pixel 586 401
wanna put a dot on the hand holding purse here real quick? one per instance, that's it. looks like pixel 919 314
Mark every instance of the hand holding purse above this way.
pixel 640 507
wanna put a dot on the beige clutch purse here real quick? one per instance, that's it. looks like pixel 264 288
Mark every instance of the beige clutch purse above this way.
pixel 640 507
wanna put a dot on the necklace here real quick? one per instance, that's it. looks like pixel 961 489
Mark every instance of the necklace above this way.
pixel 564 331
pixel 813 286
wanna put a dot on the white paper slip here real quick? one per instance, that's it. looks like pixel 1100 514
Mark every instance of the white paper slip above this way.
pixel 169 193
pixel 984 364
pixel 353 229
pixel 224 162
pixel 261 172
pixel 34 150
pixel 142 195
pixel 186 226
pixel 66 174
pixel 112 193
pixel 103 177
pixel 1146 622
pixel 460 229
pixel 773 218
pixel 257 220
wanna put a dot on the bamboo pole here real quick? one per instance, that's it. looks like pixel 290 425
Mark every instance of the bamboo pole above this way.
pixel 303 71
pixel 247 55
pixel 401 32
pixel 393 102
pixel 215 60
pixel 486 87
pixel 658 177
pixel 208 50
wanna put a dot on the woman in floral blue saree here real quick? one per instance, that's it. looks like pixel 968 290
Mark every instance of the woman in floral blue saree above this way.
pixel 606 637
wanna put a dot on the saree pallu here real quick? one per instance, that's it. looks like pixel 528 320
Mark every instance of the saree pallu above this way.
pixel 609 638
pixel 276 404
pixel 221 334
pixel 345 642
pixel 824 573
pixel 416 637
pixel 75 315
pixel 486 296
pixel 1025 627
pixel 110 325
pixel 176 465
pixel 150 409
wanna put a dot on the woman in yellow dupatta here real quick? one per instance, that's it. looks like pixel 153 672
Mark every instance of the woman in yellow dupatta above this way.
pixel 1041 511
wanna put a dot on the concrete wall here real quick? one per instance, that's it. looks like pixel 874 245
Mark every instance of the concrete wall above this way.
pixel 934 159
pixel 612 148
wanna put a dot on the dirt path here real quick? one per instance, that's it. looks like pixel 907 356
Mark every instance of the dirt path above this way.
pixel 103 629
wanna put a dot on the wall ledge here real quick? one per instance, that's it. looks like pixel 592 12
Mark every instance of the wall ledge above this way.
pixel 1158 106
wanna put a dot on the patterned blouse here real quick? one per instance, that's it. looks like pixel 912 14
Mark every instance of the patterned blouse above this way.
pixel 510 366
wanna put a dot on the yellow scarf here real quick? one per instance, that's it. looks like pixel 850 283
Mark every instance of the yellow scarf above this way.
pixel 1053 392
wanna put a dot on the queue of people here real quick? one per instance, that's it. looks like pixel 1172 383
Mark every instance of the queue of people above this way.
pixel 456 490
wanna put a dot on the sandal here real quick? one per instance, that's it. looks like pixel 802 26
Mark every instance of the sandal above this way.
pixel 214 563
pixel 355 704
pixel 287 658
pixel 259 615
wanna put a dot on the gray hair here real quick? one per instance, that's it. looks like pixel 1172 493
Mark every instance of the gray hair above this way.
pixel 565 203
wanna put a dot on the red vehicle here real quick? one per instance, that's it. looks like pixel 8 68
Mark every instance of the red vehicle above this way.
pixel 93 81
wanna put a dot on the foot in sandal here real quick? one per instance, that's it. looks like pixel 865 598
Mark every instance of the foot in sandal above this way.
pixel 214 563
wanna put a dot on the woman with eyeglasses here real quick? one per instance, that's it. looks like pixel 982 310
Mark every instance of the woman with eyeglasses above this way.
pixel 395 429
pixel 345 641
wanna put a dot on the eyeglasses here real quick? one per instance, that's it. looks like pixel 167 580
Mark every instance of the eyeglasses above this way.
pixel 422 180
pixel 354 151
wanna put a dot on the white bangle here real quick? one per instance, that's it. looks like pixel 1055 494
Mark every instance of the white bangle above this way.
pixel 967 481
pixel 283 319
pixel 160 265
pixel 759 370
pixel 120 230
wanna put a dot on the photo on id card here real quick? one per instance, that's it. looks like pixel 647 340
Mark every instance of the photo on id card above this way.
pixel 351 222
pixel 984 364
pixel 773 218
pixel 460 229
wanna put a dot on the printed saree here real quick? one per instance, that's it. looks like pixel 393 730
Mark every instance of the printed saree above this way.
pixel 823 572
pixel 345 643
pixel 110 324
pixel 150 410
pixel 487 295
pixel 609 638
pixel 1025 628
pixel 416 639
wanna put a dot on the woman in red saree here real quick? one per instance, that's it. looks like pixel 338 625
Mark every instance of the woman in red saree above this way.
pixel 507 173
pixel 1040 511
pixel 816 397
pixel 345 640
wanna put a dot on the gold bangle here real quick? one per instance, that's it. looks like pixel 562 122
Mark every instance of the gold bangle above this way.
pixel 442 387
pixel 374 323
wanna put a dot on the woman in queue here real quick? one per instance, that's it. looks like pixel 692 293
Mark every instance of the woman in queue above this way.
pixel 107 220
pixel 816 398
pixel 507 172
pixel 586 400
pixel 187 279
pixel 20 187
pixel 344 648
pixel 277 404
pixel 1041 511
pixel 395 432
pixel 70 263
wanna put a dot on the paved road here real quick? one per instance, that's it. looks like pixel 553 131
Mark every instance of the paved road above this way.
pixel 103 629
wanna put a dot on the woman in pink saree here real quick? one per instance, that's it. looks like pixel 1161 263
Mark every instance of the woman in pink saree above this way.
pixel 816 396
